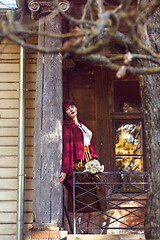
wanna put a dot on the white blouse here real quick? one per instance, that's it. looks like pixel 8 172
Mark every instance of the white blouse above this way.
pixel 87 134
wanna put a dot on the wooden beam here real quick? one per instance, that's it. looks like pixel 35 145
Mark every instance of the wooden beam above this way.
pixel 47 199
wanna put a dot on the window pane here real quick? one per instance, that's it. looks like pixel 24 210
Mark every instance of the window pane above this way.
pixel 129 164
pixel 127 97
pixel 129 153
pixel 128 138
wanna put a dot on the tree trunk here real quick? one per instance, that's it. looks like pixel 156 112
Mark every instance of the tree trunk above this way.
pixel 150 91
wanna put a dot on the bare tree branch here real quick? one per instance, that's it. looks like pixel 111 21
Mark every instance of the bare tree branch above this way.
pixel 94 32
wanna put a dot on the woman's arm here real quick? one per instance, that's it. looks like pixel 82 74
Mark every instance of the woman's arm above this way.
pixel 65 154
pixel 66 149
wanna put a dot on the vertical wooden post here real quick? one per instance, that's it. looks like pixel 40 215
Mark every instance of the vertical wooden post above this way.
pixel 47 197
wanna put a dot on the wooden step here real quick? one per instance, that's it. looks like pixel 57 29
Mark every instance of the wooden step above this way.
pixel 105 237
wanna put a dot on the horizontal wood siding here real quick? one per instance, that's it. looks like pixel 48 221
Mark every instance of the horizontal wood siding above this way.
pixel 9 109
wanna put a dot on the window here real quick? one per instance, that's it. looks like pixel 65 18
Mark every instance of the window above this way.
pixel 128 139
pixel 127 97
pixel 128 145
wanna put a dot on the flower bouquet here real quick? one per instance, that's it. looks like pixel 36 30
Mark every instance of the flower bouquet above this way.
pixel 93 167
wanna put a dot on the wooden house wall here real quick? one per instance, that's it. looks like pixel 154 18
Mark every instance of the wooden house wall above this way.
pixel 90 88
pixel 9 108
pixel 79 86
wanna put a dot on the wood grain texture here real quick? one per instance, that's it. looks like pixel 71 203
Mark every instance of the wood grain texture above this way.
pixel 48 131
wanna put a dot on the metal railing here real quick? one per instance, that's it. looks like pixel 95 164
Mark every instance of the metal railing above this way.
pixel 116 199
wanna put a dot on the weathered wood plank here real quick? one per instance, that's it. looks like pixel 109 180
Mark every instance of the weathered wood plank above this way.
pixel 31 68
pixel 9 113
pixel 9 77
pixel 7 228
pixel 8 151
pixel 28 184
pixel 8 173
pixel 8 206
pixel 11 161
pixel 9 67
pixel 9 123
pixel 12 218
pixel 28 194
pixel 30 94
pixel 8 237
pixel 29 132
pixel 29 122
pixel 8 195
pixel 92 237
pixel 29 141
pixel 106 237
pixel 9 46
pixel 12 132
pixel 9 86
pixel 11 206
pixel 30 113
pixel 29 161
pixel 13 151
pixel 28 206
pixel 48 191
pixel 29 172
pixel 9 94
pixel 30 104
pixel 14 86
pixel 29 151
pixel 31 77
pixel 8 184
pixel 9 56
pixel 14 103
pixel 102 128
pixel 31 86
pixel 8 161
pixel 8 141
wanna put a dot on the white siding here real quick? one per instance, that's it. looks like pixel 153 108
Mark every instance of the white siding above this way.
pixel 9 103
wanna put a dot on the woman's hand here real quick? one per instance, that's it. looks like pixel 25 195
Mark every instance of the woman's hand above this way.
pixel 62 176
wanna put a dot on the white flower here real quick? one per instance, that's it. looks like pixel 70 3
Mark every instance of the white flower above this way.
pixel 93 170
pixel 92 165
pixel 87 169
pixel 87 165
pixel 101 168
pixel 96 164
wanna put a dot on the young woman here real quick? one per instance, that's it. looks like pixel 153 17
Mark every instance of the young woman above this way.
pixel 78 148
pixel 77 143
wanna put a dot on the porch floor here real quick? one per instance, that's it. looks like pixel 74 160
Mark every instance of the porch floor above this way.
pixel 105 237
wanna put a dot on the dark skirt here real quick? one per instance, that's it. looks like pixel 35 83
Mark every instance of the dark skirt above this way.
pixel 88 197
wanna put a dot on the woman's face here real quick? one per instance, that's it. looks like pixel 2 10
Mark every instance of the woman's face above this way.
pixel 71 111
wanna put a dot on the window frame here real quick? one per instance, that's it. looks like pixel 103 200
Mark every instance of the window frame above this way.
pixel 127 117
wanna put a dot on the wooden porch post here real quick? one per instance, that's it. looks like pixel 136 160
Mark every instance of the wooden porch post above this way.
pixel 47 197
